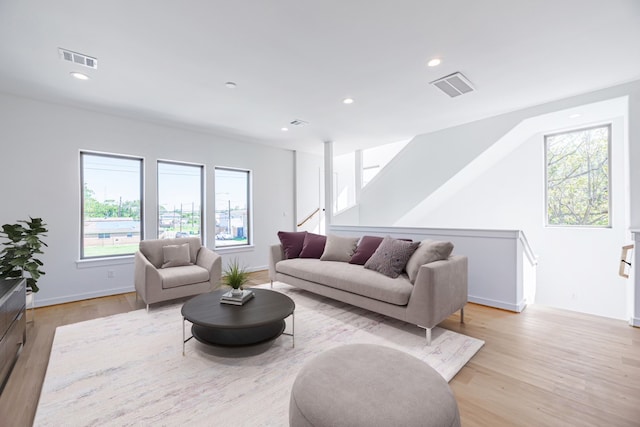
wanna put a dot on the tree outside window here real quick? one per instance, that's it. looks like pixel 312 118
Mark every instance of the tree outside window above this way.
pixel 233 207
pixel 578 177
pixel 111 205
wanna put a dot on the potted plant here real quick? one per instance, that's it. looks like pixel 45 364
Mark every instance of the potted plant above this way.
pixel 18 254
pixel 235 276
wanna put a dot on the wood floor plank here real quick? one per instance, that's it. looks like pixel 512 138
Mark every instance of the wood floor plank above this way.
pixel 541 367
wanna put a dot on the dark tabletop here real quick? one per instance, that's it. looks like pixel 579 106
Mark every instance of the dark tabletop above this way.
pixel 265 307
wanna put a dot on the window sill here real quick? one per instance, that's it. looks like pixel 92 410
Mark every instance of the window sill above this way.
pixel 232 249
pixel 104 262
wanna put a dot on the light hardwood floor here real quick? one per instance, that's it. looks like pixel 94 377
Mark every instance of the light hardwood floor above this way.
pixel 542 367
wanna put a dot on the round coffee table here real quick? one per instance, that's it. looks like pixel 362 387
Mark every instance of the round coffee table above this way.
pixel 260 319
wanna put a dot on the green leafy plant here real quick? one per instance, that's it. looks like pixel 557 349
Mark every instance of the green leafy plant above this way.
pixel 235 275
pixel 18 254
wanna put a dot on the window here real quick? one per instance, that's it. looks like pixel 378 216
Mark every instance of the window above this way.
pixel 578 180
pixel 233 207
pixel 179 200
pixel 111 203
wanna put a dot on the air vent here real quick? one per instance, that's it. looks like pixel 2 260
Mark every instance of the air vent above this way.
pixel 78 58
pixel 454 85
pixel 299 122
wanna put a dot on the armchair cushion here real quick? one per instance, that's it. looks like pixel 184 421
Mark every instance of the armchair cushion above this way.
pixel 176 255
pixel 182 276
pixel 152 249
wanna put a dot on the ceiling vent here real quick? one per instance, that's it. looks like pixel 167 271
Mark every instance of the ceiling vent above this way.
pixel 299 122
pixel 78 58
pixel 454 85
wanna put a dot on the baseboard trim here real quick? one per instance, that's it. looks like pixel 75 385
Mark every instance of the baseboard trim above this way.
pixel 498 304
pixel 79 297
pixel 259 268
pixel 634 321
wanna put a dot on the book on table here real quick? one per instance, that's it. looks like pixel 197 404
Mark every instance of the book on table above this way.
pixel 229 298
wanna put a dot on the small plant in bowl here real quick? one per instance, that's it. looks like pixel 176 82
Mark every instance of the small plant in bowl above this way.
pixel 235 276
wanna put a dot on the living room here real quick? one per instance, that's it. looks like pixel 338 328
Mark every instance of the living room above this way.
pixel 48 121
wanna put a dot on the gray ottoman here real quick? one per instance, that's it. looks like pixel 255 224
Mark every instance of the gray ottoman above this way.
pixel 370 385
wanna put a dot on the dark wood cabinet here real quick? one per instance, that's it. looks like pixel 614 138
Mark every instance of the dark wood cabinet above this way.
pixel 13 326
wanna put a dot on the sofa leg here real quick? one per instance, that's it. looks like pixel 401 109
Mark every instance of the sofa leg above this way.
pixel 427 333
pixel 462 315
pixel 272 284
pixel 147 308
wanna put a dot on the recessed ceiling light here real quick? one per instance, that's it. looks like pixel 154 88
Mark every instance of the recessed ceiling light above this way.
pixel 230 85
pixel 347 101
pixel 434 62
pixel 574 116
pixel 79 76
pixel 284 129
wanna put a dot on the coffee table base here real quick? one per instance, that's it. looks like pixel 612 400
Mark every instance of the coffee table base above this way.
pixel 238 337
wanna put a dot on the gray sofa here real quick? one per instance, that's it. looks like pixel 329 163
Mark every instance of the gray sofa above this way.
pixel 439 290
pixel 201 272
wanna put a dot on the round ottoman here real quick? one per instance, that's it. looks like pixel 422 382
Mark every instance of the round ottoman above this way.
pixel 370 385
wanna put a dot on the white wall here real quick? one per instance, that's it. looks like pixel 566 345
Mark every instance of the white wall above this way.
pixel 344 181
pixel 39 171
pixel 577 267
pixel 309 191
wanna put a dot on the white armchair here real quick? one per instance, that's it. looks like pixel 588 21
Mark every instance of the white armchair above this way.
pixel 167 269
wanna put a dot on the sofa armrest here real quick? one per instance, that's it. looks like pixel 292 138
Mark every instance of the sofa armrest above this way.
pixel 212 262
pixel 441 289
pixel 146 277
pixel 276 254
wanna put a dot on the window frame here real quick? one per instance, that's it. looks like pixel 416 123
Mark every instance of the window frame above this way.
pixel 82 200
pixel 249 195
pixel 609 225
pixel 202 193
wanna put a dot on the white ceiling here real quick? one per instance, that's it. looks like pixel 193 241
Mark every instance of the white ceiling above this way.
pixel 167 60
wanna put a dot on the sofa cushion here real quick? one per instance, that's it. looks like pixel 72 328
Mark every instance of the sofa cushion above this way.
pixel 349 277
pixel 291 242
pixel 176 255
pixel 391 256
pixel 181 276
pixel 313 246
pixel 338 248
pixel 366 247
pixel 428 251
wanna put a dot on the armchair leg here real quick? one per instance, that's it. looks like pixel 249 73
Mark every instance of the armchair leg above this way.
pixel 462 315
pixel 147 308
pixel 272 284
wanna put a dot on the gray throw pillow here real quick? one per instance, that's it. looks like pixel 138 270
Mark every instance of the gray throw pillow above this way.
pixel 391 256
pixel 339 248
pixel 176 255
pixel 428 251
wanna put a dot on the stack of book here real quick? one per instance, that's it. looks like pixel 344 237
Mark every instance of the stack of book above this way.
pixel 229 298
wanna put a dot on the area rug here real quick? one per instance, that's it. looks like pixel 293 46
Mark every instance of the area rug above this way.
pixel 128 369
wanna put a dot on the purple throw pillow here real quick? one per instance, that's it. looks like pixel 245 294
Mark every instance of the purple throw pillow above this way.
pixel 391 256
pixel 313 246
pixel 291 242
pixel 366 248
